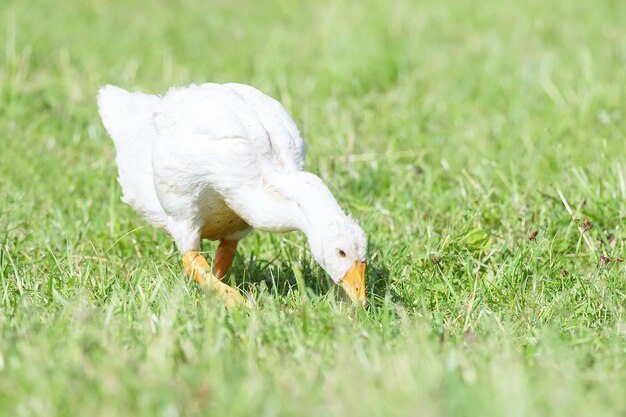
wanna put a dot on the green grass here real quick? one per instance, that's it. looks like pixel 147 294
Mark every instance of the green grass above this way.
pixel 449 130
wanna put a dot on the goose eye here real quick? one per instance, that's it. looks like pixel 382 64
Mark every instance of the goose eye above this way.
pixel 341 253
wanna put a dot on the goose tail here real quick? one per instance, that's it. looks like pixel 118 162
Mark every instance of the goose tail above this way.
pixel 129 120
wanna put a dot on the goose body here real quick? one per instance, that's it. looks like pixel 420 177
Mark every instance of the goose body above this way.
pixel 213 161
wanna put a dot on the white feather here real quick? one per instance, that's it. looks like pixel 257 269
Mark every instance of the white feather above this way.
pixel 128 117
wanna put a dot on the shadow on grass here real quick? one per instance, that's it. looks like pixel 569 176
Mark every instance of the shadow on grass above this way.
pixel 279 277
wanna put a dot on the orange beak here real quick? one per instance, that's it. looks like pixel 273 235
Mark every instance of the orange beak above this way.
pixel 354 283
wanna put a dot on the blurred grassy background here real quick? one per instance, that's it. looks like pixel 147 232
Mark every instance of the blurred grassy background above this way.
pixel 449 129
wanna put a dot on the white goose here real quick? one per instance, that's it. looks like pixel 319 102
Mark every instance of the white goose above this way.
pixel 213 161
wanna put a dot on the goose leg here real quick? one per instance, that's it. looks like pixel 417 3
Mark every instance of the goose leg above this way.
pixel 224 257
pixel 199 269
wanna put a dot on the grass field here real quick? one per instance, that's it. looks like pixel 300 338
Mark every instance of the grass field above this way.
pixel 450 130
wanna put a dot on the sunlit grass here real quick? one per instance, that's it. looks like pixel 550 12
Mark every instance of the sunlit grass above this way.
pixel 449 130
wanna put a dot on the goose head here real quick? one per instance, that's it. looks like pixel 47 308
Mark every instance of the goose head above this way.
pixel 301 201
pixel 339 247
